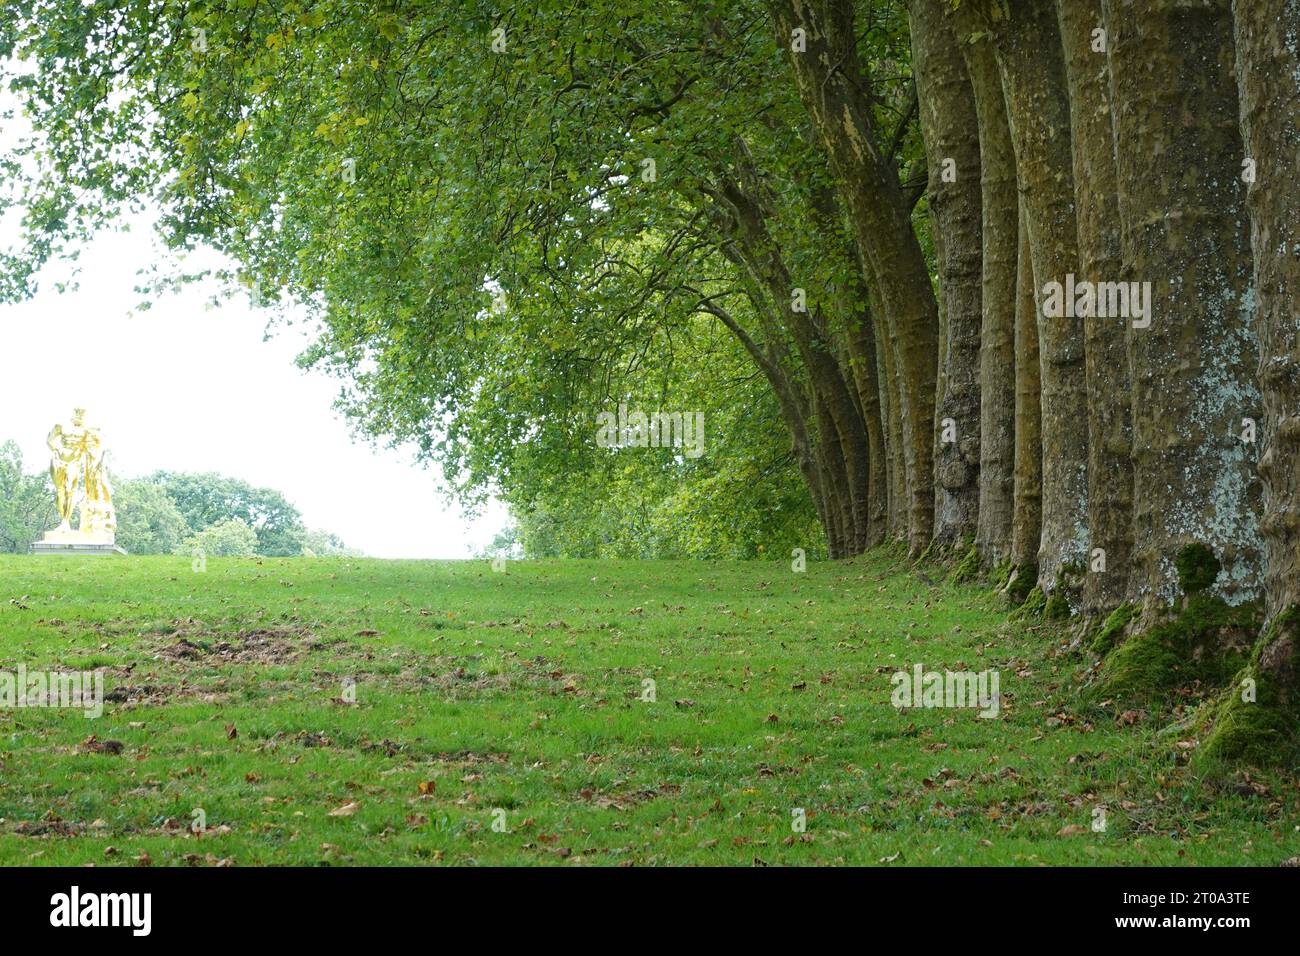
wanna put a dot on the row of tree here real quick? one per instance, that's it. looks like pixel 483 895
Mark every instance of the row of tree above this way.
pixel 1017 276
pixel 169 513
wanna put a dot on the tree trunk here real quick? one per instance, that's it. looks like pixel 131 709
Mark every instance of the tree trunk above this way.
pixel 1110 470
pixel 1185 231
pixel 1026 524
pixel 831 85
pixel 896 513
pixel 838 420
pixel 856 334
pixel 1000 221
pixel 794 414
pixel 862 352
pixel 1028 44
pixel 1268 71
pixel 951 133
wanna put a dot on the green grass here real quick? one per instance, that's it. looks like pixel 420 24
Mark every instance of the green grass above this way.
pixel 519 691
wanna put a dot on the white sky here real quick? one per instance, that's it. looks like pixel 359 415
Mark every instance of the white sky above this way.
pixel 186 387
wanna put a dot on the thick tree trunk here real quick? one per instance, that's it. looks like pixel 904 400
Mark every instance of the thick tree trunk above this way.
pixel 1185 231
pixel 1000 220
pixel 1026 524
pixel 836 478
pixel 941 379
pixel 1268 71
pixel 896 512
pixel 1110 470
pixel 831 84
pixel 951 133
pixel 1028 44
pixel 862 353
pixel 855 336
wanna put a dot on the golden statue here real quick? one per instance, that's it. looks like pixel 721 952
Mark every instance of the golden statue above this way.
pixel 78 468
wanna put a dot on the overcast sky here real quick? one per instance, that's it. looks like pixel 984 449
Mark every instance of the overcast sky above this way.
pixel 187 387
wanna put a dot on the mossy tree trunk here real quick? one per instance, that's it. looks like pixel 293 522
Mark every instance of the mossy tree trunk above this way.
pixel 896 512
pixel 1110 470
pixel 835 91
pixel 1268 74
pixel 1028 44
pixel 1026 527
pixel 999 236
pixel 842 433
pixel 950 130
pixel 862 352
pixel 1185 231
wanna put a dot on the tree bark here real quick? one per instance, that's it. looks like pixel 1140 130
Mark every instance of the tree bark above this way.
pixel 856 334
pixel 951 133
pixel 1268 73
pixel 1185 231
pixel 831 84
pixel 1026 524
pixel 839 423
pixel 999 231
pixel 897 511
pixel 1028 44
pixel 1110 470
pixel 862 354
pixel 794 414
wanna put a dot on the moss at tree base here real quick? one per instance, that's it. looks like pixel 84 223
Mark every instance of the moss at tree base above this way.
pixel 969 567
pixel 1111 631
pixel 1054 606
pixel 1033 604
pixel 1021 581
pixel 1257 718
pixel 933 552
pixel 1057 607
pixel 1206 642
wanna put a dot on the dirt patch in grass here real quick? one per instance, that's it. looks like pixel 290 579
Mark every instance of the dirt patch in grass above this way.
pixel 626 801
pixel 273 645
pixel 156 695
pixel 50 826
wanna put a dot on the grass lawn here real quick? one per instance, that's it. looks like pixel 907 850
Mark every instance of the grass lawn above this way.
pixel 514 698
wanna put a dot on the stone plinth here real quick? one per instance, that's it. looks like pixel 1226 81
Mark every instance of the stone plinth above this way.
pixel 69 541
pixel 75 547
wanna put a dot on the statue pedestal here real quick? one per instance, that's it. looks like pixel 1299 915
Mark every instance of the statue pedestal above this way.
pixel 67 541
pixel 68 547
